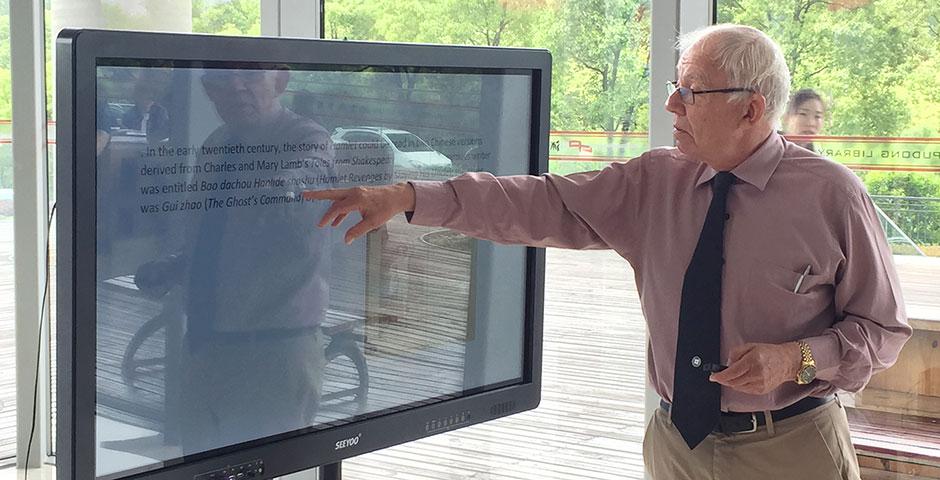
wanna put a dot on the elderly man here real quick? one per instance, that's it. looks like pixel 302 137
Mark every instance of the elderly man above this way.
pixel 748 251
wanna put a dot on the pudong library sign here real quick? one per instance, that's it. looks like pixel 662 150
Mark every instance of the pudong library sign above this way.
pixel 902 154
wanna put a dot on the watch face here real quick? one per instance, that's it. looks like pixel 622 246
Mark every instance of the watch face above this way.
pixel 807 374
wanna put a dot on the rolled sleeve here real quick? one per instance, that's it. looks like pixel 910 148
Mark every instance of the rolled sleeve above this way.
pixel 431 202
pixel 871 325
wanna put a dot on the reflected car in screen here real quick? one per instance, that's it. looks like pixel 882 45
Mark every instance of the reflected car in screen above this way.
pixel 409 150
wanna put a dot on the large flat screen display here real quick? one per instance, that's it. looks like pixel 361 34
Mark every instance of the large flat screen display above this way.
pixel 207 326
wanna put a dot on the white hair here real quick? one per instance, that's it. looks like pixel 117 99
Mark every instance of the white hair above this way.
pixel 750 59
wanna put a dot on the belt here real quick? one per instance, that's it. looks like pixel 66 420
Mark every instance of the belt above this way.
pixel 748 422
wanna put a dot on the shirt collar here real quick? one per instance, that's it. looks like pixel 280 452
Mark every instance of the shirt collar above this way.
pixel 755 169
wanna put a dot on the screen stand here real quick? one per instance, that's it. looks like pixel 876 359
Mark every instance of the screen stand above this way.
pixel 331 471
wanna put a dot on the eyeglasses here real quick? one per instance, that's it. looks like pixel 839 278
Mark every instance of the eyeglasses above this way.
pixel 687 95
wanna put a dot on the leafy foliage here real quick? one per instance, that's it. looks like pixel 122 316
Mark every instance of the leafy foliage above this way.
pixel 874 62
pixel 914 204
pixel 600 48
pixel 234 17
pixel 606 43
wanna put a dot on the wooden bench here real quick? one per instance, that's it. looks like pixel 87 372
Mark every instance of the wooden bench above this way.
pixel 896 420
pixel 896 443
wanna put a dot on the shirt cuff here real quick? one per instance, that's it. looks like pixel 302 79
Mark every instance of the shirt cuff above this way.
pixel 827 354
pixel 431 202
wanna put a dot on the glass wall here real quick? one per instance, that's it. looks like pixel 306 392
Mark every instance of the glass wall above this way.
pixel 7 305
pixel 868 73
pixel 591 420
pixel 228 17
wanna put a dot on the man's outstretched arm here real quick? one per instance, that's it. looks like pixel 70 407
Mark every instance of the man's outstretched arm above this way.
pixel 580 211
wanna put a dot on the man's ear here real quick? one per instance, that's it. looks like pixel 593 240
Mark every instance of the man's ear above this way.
pixel 755 108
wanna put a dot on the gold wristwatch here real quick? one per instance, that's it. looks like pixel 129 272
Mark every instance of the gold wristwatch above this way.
pixel 807 371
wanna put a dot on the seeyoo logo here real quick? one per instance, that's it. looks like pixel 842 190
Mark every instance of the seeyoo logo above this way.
pixel 349 442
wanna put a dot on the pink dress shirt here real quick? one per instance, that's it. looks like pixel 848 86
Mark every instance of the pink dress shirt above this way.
pixel 788 209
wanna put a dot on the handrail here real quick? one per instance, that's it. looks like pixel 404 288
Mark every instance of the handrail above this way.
pixel 885 218
pixel 896 197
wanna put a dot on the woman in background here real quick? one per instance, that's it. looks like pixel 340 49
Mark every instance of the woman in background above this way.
pixel 805 115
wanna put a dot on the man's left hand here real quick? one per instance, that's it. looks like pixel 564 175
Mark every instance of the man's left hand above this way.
pixel 758 368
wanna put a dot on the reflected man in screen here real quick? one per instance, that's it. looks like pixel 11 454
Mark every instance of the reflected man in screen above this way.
pixel 256 281
pixel 765 277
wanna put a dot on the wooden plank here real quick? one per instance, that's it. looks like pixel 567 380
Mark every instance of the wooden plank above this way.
pixel 873 468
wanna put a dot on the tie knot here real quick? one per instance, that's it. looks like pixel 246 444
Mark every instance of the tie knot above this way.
pixel 722 181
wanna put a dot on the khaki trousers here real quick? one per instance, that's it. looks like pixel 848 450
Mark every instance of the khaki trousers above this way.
pixel 811 446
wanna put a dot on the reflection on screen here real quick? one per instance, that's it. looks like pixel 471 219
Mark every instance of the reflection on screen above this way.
pixel 225 316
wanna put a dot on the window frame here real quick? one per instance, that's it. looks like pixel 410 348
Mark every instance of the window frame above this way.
pixel 27 62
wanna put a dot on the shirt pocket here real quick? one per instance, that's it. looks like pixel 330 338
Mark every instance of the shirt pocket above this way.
pixel 770 292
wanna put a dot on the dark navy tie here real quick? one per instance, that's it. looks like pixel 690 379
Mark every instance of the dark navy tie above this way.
pixel 696 402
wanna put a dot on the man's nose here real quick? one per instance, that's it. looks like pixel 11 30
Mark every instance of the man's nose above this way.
pixel 674 104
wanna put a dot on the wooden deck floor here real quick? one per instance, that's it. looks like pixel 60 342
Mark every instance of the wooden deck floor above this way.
pixel 590 422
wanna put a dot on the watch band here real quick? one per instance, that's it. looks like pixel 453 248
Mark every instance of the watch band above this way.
pixel 807 371
pixel 806 354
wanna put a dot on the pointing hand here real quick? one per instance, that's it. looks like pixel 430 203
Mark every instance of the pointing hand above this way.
pixel 376 205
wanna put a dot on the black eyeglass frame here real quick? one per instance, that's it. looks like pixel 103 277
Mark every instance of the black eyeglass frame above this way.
pixel 673 87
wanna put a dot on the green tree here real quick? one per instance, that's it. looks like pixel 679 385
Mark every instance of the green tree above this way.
pixel 491 22
pixel 467 22
pixel 604 47
pixel 600 76
pixel 4 39
pixel 920 82
pixel 6 99
pixel 350 20
pixel 868 56
pixel 233 17
pixel 5 84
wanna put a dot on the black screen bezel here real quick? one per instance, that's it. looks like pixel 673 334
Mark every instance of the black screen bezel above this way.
pixel 79 52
